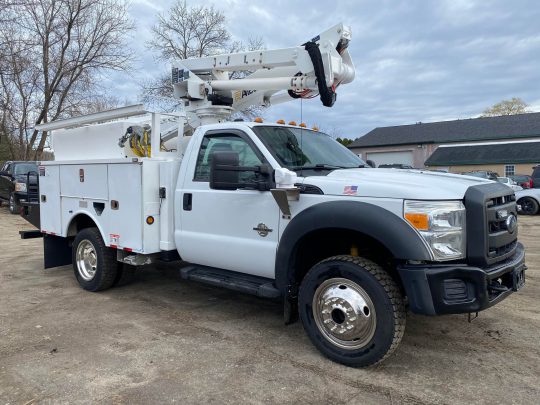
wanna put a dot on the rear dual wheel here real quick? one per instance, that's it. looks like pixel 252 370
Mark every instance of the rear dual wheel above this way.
pixel 352 310
pixel 94 264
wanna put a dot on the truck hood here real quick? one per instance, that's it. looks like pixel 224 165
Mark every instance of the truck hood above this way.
pixel 395 183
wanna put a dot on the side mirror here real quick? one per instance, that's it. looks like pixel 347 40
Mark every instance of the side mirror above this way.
pixel 4 173
pixel 371 163
pixel 225 172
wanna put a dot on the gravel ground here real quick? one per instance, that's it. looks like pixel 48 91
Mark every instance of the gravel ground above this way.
pixel 161 339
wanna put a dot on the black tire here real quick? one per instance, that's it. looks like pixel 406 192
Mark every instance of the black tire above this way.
pixel 106 266
pixel 529 206
pixel 385 298
pixel 125 274
pixel 14 208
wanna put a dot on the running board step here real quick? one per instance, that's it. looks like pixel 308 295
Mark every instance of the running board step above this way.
pixel 260 286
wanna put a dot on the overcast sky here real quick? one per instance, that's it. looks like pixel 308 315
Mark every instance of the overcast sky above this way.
pixel 415 60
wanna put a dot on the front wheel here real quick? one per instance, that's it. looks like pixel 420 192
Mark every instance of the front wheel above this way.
pixel 94 264
pixel 352 310
pixel 529 206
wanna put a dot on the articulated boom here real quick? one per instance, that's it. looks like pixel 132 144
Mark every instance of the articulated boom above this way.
pixel 212 88
pixel 213 85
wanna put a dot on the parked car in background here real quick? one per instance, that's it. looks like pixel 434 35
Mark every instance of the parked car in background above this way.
pixel 507 181
pixel 524 180
pixel 15 179
pixel 536 176
pixel 484 174
pixel 528 201
pixel 395 166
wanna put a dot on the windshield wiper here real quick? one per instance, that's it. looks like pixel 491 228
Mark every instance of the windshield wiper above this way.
pixel 322 166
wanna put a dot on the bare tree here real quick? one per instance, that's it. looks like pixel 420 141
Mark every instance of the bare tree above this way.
pixel 185 32
pixel 53 54
pixel 507 107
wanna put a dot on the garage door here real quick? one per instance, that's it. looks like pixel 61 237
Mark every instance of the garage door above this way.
pixel 382 158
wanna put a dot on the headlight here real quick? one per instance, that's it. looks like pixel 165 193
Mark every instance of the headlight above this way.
pixel 20 187
pixel 441 224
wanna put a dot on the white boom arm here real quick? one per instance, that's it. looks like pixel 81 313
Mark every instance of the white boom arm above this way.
pixel 212 88
pixel 317 67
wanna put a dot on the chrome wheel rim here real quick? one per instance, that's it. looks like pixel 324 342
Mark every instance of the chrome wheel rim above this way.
pixel 86 258
pixel 344 313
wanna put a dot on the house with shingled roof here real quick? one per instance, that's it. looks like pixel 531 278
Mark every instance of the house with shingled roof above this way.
pixel 506 145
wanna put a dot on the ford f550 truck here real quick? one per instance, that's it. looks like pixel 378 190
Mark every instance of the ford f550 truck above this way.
pixel 276 210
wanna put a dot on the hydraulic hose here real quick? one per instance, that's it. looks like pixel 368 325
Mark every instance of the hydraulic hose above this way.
pixel 328 95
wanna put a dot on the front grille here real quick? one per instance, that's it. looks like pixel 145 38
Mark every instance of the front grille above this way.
pixel 488 238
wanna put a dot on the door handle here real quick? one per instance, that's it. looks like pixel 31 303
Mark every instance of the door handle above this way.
pixel 188 199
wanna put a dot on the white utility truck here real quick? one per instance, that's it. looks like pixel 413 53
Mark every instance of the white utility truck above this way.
pixel 280 211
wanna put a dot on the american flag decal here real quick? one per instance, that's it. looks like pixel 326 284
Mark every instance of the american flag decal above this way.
pixel 350 190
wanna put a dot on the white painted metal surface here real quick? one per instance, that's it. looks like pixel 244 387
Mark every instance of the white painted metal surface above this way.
pixel 84 181
pixel 124 225
pixel 218 230
pixel 49 191
pixel 98 141
pixel 397 183
pixel 118 197
pixel 168 176
pixel 151 205
pixel 270 73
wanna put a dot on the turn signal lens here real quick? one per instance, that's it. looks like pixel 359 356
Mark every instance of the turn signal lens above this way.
pixel 258 120
pixel 280 122
pixel 419 221
pixel 303 125
pixel 150 220
pixel 292 123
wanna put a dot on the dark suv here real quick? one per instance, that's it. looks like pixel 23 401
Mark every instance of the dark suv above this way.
pixel 18 181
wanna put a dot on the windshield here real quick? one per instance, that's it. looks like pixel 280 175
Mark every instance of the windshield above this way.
pixel 24 168
pixel 300 150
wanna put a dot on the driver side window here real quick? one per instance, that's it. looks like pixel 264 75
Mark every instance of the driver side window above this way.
pixel 225 142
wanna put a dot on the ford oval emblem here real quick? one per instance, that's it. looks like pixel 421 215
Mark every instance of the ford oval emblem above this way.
pixel 511 223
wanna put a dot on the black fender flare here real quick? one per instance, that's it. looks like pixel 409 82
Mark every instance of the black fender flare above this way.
pixel 380 224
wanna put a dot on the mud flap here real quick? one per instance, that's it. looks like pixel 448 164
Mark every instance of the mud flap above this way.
pixel 56 251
